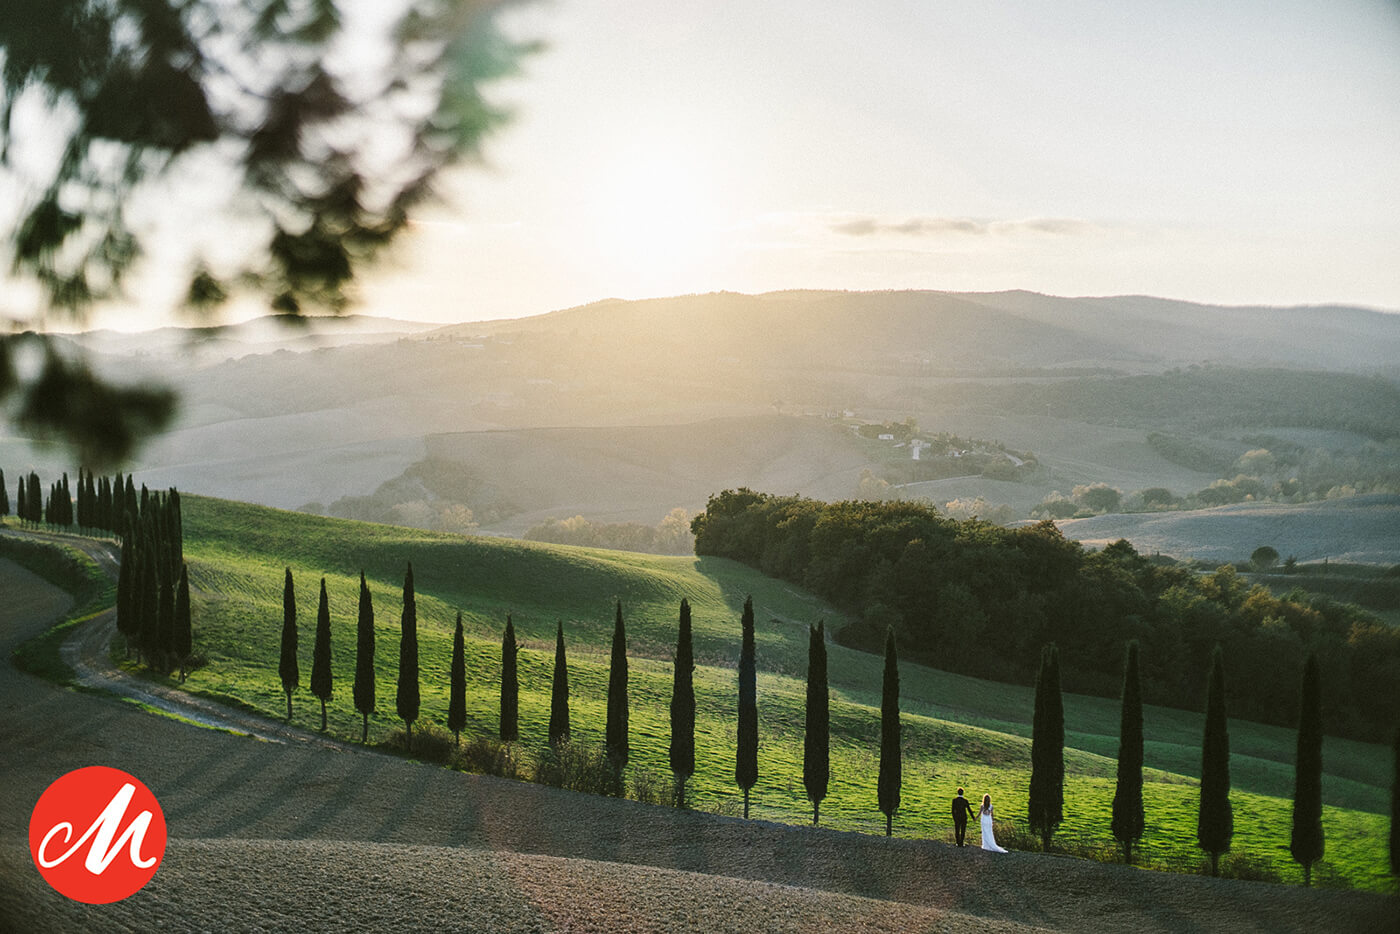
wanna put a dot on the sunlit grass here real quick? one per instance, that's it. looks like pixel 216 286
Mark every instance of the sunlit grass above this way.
pixel 957 730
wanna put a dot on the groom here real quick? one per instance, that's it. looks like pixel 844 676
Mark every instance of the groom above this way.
pixel 960 811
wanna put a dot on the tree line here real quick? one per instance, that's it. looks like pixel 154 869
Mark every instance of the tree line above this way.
pixel 1045 806
pixel 99 506
pixel 153 589
pixel 974 598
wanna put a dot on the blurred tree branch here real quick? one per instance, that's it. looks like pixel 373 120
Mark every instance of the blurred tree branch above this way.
pixel 328 119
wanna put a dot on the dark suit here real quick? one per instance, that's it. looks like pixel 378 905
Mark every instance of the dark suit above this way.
pixel 960 811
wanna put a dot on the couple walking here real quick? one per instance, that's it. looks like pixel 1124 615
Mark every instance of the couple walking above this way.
pixel 961 808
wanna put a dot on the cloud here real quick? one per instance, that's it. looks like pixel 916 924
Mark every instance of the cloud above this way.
pixel 867 226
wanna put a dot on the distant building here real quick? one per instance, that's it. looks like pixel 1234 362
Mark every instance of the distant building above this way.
pixel 887 437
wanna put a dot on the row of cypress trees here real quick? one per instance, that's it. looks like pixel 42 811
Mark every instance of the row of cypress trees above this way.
pixel 1045 806
pixel 1215 818
pixel 100 503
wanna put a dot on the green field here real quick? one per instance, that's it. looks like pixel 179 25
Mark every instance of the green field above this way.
pixel 957 730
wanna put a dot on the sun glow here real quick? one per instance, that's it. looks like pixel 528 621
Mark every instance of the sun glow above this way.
pixel 653 211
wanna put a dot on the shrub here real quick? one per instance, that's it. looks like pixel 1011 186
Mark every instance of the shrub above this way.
pixel 487 755
pixel 579 768
pixel 1246 866
pixel 431 743
pixel 651 787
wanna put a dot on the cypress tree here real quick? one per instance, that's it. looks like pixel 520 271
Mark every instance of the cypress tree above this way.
pixel 287 665
pixel 559 693
pixel 184 626
pixel 82 514
pixel 1128 818
pixel 105 521
pixel 165 634
pixel 615 736
pixel 321 654
pixel 4 497
pixel 128 622
pixel 364 660
pixel 891 756
pixel 1216 824
pixel 457 686
pixel 87 500
pixel 683 706
pixel 36 499
pixel 1046 804
pixel 746 752
pixel 149 598
pixel 1306 844
pixel 177 532
pixel 406 701
pixel 21 501
pixel 816 744
pixel 510 685
pixel 129 503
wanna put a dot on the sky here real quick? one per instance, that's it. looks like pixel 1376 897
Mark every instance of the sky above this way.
pixel 1238 153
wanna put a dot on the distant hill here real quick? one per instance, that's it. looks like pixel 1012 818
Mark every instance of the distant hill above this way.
pixel 1361 529
pixel 1134 392
pixel 970 333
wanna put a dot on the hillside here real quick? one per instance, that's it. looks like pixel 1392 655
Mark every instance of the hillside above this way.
pixel 957 730
pixel 269 836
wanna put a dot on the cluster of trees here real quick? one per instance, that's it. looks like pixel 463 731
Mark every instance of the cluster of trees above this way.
pixel 1282 472
pixel 153 585
pixel 153 589
pixel 99 505
pixel 670 536
pixel 974 598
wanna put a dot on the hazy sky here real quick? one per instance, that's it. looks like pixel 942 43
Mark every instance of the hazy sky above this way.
pixel 1233 152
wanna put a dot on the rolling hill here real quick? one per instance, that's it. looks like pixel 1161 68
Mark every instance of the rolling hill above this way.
pixel 957 730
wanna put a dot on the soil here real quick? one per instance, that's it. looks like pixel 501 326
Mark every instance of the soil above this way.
pixel 289 832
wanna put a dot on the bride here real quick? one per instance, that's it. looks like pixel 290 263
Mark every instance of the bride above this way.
pixel 989 840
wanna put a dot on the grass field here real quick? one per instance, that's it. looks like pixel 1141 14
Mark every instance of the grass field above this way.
pixel 957 730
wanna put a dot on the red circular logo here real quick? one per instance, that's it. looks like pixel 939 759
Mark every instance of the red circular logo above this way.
pixel 97 835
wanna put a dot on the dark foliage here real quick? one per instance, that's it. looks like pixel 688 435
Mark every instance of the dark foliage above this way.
pixel 816 743
pixel 287 668
pixel 559 693
pixel 891 756
pixel 1306 843
pixel 1128 818
pixel 406 699
pixel 615 735
pixel 1045 805
pixel 184 624
pixel 457 684
pixel 1216 823
pixel 510 685
pixel 364 660
pixel 321 654
pixel 682 751
pixel 140 94
pixel 943 584
pixel 746 751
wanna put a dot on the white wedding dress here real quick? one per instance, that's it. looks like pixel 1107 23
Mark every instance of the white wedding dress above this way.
pixel 989 839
